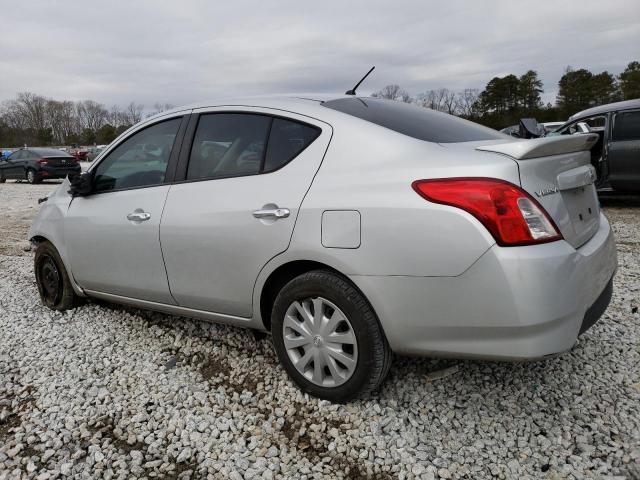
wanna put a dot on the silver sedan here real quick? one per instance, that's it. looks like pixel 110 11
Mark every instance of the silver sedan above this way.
pixel 347 227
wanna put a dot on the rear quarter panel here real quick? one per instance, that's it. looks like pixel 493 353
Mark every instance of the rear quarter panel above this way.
pixel 370 169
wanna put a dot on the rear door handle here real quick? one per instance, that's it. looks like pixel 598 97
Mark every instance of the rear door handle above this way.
pixel 272 213
pixel 138 216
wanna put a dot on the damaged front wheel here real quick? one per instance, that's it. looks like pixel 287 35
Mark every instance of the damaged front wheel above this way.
pixel 53 281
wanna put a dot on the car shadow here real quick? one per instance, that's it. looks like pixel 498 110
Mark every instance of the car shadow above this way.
pixel 619 201
pixel 468 385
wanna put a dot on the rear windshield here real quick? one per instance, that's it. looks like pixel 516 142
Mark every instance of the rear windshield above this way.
pixel 417 122
pixel 50 152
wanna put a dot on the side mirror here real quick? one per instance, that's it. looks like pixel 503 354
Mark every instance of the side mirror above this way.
pixel 81 184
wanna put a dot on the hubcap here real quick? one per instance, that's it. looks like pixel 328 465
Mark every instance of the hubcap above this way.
pixel 50 279
pixel 31 176
pixel 320 341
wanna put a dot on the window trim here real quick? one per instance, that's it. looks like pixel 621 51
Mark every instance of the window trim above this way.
pixel 189 138
pixel 173 157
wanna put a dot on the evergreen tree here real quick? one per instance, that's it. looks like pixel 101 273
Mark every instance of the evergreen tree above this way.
pixel 630 81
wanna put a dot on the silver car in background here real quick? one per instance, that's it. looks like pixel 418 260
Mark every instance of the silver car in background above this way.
pixel 348 227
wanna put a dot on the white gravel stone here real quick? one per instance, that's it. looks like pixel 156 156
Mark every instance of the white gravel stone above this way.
pixel 111 392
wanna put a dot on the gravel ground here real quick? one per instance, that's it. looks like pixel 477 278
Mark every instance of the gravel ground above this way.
pixel 109 392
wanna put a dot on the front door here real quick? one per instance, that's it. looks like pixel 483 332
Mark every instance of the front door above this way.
pixel 15 165
pixel 246 177
pixel 113 233
pixel 624 152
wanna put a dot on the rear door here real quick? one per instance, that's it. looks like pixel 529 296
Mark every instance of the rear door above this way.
pixel 112 235
pixel 17 164
pixel 624 152
pixel 244 179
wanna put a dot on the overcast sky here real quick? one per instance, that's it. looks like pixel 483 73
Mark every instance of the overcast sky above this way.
pixel 184 51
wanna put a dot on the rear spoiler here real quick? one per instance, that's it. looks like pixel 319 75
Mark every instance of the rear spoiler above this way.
pixel 543 147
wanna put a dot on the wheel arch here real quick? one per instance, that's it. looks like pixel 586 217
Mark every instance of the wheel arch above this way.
pixel 37 239
pixel 286 272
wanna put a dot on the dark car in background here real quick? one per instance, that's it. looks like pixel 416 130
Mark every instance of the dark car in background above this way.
pixel 37 164
pixel 616 154
pixel 79 153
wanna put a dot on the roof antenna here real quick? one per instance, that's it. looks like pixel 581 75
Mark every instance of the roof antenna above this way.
pixel 353 90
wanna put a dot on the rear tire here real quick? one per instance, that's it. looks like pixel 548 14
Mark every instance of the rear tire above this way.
pixel 32 176
pixel 328 338
pixel 54 285
pixel 2 179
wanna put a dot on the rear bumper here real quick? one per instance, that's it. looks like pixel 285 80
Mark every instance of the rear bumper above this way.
pixel 56 172
pixel 513 303
pixel 595 311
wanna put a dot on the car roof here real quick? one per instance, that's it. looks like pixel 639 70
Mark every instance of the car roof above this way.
pixel 48 151
pixel 610 107
pixel 298 103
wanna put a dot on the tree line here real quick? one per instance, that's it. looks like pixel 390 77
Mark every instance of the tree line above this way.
pixel 32 119
pixel 505 100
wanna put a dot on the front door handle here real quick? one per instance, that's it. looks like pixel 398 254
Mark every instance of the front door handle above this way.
pixel 138 216
pixel 272 213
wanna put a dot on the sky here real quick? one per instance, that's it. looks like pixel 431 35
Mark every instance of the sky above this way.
pixel 186 51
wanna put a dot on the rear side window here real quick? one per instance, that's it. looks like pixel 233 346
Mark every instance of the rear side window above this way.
pixel 286 140
pixel 627 126
pixel 238 144
pixel 227 145
pixel 417 122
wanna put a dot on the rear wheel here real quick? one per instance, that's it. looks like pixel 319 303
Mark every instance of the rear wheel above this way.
pixel 54 285
pixel 328 337
pixel 32 177
pixel 2 179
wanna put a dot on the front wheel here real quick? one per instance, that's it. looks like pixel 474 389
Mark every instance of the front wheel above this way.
pixel 54 285
pixel 328 337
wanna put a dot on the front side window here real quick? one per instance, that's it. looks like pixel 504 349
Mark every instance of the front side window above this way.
pixel 627 126
pixel 140 161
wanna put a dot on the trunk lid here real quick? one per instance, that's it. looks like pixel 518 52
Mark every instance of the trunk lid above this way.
pixel 557 172
pixel 60 161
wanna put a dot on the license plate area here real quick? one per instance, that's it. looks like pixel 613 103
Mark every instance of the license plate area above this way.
pixel 584 211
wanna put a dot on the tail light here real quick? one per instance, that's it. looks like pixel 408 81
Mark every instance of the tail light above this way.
pixel 510 214
pixel 43 161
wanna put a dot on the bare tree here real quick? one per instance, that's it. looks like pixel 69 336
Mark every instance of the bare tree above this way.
pixel 393 92
pixel 449 102
pixel 442 99
pixel 117 117
pixel 91 115
pixel 28 111
pixel 159 108
pixel 12 115
pixel 61 119
pixel 34 119
pixel 468 102
pixel 133 113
